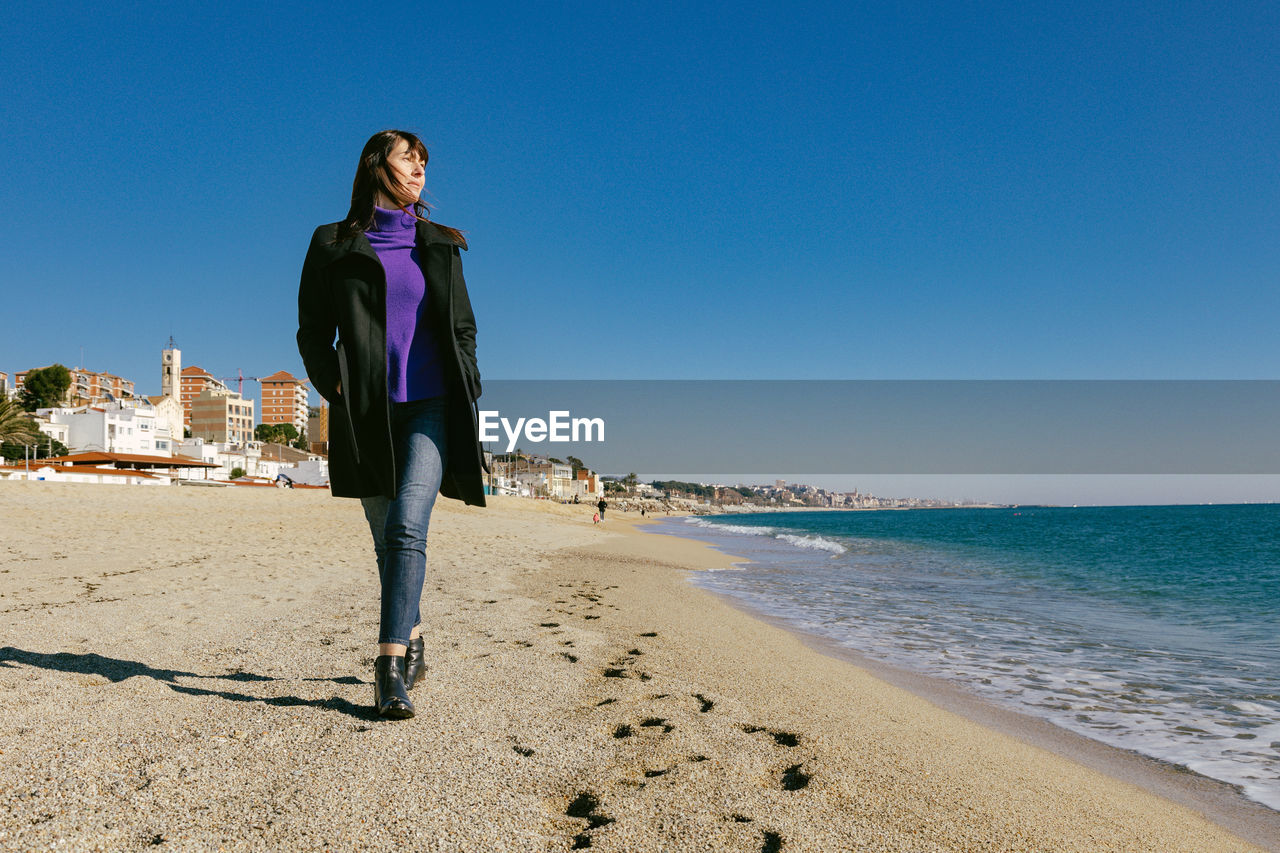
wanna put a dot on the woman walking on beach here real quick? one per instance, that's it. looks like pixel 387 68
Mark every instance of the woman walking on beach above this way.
pixel 401 381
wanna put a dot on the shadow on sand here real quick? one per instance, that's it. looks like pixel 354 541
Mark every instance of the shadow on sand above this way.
pixel 116 669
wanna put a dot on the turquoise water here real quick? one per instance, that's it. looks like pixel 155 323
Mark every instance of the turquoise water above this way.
pixel 1155 629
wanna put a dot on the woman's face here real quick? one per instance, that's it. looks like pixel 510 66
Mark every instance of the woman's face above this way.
pixel 407 167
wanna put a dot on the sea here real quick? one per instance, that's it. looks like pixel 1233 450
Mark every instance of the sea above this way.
pixel 1150 628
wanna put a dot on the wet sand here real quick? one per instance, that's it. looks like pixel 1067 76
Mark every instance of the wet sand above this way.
pixel 192 668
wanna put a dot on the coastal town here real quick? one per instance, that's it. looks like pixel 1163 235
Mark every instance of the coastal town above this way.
pixel 198 430
pixel 78 425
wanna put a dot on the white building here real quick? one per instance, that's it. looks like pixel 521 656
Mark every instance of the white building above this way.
pixel 58 432
pixel 303 468
pixel 246 456
pixel 309 472
pixel 82 474
pixel 169 416
pixel 125 426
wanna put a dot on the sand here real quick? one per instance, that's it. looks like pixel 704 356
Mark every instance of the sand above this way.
pixel 191 669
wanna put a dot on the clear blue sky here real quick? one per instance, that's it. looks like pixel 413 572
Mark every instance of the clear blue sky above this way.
pixel 816 190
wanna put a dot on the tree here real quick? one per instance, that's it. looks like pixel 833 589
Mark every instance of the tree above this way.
pixel 237 473
pixel 18 432
pixel 276 433
pixel 300 443
pixel 577 464
pixel 45 388
pixel 630 480
pixel 14 425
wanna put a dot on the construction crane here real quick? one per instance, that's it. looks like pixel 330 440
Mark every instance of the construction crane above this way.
pixel 239 378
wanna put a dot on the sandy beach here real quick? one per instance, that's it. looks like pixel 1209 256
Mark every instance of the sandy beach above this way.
pixel 191 669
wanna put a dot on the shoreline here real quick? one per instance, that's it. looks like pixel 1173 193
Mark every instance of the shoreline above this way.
pixel 1219 801
pixel 211 684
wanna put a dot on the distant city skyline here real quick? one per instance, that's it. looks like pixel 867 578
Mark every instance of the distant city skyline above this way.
pixel 815 191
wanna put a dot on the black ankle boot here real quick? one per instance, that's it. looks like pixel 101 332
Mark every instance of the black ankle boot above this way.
pixel 390 697
pixel 415 666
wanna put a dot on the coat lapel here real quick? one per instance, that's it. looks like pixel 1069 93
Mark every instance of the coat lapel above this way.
pixel 360 245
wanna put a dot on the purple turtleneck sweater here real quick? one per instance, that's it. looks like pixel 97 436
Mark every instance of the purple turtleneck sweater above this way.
pixel 413 362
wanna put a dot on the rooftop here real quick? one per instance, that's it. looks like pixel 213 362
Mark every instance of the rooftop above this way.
pixel 130 460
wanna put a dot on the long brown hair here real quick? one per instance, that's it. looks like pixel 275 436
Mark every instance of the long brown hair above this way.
pixel 374 175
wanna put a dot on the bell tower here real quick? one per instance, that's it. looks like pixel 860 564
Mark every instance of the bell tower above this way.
pixel 171 371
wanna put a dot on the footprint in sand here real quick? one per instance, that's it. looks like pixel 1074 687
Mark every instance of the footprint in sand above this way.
pixel 788 739
pixel 587 807
pixel 793 778
pixel 653 722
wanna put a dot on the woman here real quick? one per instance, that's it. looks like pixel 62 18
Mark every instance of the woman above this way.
pixel 401 382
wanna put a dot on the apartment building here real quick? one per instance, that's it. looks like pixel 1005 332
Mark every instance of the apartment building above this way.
pixel 196 380
pixel 284 400
pixel 220 414
pixel 87 387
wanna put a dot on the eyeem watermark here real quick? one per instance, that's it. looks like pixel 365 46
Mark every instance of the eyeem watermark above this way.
pixel 559 426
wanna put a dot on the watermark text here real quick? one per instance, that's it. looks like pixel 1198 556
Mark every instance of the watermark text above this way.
pixel 558 426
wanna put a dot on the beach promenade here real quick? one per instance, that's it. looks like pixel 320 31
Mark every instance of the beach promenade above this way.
pixel 191 669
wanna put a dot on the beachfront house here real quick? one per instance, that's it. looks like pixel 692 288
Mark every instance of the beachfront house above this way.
pixel 59 473
pixel 123 426
pixel 256 459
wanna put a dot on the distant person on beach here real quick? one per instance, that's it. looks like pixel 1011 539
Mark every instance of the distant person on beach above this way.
pixel 401 382
pixel 600 506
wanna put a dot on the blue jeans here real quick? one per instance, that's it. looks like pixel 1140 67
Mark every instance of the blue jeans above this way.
pixel 399 525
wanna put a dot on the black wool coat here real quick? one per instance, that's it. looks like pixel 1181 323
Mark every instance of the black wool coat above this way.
pixel 343 292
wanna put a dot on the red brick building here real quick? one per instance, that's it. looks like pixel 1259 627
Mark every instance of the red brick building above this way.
pixel 88 387
pixel 284 400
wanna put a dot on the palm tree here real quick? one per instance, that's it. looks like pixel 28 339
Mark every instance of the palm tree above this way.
pixel 15 426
